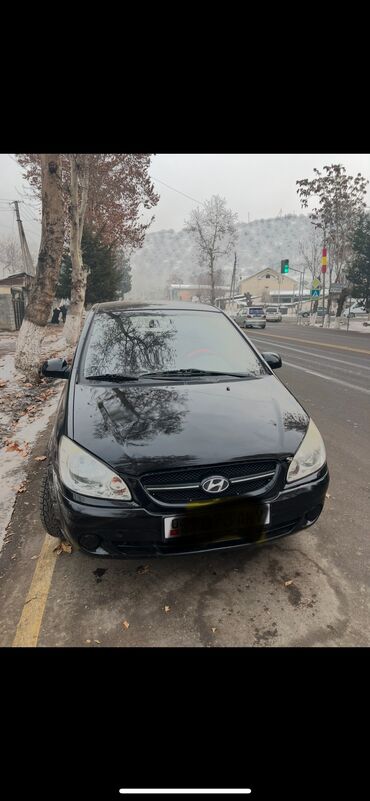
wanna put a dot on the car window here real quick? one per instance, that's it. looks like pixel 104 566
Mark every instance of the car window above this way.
pixel 138 342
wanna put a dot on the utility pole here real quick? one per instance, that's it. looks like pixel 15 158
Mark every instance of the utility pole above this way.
pixel 27 258
pixel 300 295
pixel 233 277
pixel 323 270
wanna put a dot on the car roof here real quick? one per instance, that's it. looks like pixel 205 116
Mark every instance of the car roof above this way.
pixel 170 305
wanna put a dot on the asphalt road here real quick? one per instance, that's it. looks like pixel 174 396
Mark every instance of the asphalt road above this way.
pixel 311 589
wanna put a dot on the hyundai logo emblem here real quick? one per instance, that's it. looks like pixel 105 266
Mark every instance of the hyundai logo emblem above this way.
pixel 215 484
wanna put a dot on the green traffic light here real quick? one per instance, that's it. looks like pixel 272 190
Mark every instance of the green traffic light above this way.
pixel 285 266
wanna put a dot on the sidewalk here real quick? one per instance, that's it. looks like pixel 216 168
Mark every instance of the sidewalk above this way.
pixel 25 410
pixel 354 325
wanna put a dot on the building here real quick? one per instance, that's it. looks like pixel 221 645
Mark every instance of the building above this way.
pixel 266 283
pixel 196 292
pixel 14 290
pixel 269 287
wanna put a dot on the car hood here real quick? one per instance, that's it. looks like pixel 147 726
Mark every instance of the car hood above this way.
pixel 138 428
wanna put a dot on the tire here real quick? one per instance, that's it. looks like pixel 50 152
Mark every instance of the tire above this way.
pixel 48 519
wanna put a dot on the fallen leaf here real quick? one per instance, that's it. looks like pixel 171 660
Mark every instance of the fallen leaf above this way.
pixel 63 547
pixel 288 583
pixel 3 383
pixel 87 640
pixel 11 446
pixel 328 495
pixel 98 641
pixel 143 569
pixel 167 608
pixel 28 385
pixel 40 458
pixel 213 630
pixel 125 624
pixel 35 557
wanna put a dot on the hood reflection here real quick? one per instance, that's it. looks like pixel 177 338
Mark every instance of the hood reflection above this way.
pixel 136 416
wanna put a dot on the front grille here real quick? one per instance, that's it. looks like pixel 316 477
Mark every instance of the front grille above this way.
pixel 183 486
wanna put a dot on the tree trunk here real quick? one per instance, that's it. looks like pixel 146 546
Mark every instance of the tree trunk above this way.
pixel 343 295
pixel 32 331
pixel 79 175
pixel 212 276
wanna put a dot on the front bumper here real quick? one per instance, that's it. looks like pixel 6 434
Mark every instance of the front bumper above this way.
pixel 132 531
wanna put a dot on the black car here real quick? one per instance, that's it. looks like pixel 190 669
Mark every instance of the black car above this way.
pixel 173 435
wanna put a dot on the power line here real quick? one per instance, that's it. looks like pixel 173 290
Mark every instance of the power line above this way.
pixel 28 215
pixel 26 255
pixel 178 191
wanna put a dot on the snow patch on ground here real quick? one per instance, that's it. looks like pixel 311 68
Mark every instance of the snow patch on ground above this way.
pixel 14 465
pixel 23 426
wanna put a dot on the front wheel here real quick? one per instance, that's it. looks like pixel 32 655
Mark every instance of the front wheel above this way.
pixel 48 519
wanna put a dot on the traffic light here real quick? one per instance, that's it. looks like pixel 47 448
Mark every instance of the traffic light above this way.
pixel 284 266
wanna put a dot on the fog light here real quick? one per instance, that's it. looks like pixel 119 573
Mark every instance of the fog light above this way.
pixel 89 541
pixel 313 514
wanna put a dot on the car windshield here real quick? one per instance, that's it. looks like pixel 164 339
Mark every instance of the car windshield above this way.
pixel 271 310
pixel 129 344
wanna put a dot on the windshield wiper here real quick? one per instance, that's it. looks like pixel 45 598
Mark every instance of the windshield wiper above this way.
pixel 191 371
pixel 111 377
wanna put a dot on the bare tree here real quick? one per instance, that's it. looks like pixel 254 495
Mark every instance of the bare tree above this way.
pixel 310 251
pixel 214 231
pixel 11 256
pixel 32 330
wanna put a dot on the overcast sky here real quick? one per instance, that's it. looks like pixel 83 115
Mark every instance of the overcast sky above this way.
pixel 254 185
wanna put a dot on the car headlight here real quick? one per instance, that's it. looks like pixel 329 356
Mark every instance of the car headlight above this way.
pixel 310 456
pixel 82 473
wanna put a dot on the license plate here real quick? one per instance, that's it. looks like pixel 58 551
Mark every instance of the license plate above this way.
pixel 217 527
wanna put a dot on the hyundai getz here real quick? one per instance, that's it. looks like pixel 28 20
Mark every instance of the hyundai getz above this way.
pixel 173 435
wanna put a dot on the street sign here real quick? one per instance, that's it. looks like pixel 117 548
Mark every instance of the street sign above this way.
pixel 336 288
pixel 316 283
pixel 315 293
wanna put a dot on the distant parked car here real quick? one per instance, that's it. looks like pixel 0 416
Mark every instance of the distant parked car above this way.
pixel 355 310
pixel 303 314
pixel 273 314
pixel 251 317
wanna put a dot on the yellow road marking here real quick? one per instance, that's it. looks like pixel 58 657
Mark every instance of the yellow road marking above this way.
pixel 28 628
pixel 313 342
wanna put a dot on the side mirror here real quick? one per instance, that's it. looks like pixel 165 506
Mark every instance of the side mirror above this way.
pixel 273 360
pixel 55 368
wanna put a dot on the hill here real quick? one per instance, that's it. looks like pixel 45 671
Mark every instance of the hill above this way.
pixel 261 243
